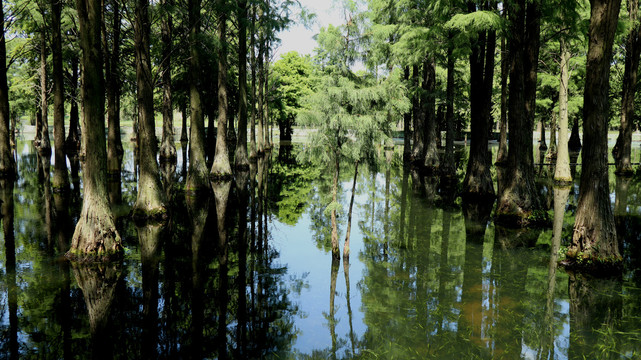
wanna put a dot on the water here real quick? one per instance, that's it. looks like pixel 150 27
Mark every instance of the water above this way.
pixel 428 276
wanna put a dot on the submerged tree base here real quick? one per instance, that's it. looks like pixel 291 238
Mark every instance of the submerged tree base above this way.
pixel 594 266
pixel 536 218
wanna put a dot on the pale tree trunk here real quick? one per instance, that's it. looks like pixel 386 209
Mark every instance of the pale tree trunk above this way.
pixel 335 251
pixel 221 169
pixel 60 177
pixel 562 173
pixel 594 236
pixel 7 163
pixel 240 157
pixel 349 216
pixel 197 175
pixel 167 149
pixel 623 148
pixel 95 235
pixel 150 202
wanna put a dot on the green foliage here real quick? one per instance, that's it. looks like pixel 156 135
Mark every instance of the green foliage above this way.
pixel 475 22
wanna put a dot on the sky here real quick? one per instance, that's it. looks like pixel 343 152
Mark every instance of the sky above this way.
pixel 300 39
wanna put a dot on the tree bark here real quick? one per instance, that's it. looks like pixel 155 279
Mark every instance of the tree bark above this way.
pixel 594 236
pixel 431 162
pixel 72 144
pixel 240 157
pixel 221 169
pixel 260 137
pixel 519 198
pixel 335 251
pixel 574 144
pixel 197 175
pixel 60 178
pixel 43 144
pixel 478 179
pixel 150 202
pixel 449 167
pixel 95 235
pixel 501 156
pixel 253 152
pixel 562 173
pixel 114 141
pixel 623 148
pixel 167 149
pixel 349 216
pixel 552 149
pixel 7 163
pixel 418 148
pixel 407 120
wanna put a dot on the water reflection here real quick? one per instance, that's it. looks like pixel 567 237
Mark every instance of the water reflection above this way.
pixel 242 272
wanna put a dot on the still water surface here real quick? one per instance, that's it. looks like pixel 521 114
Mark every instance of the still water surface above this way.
pixel 247 272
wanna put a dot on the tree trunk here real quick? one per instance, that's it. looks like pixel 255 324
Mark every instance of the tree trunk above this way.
pixel 221 169
pixel 197 175
pixel 167 149
pixel 551 153
pixel 501 157
pixel 407 120
pixel 240 157
pixel 60 178
pixel 114 140
pixel 562 173
pixel 519 198
pixel 623 148
pixel 449 167
pixel 418 148
pixel 266 124
pixel 42 137
pixel 149 239
pixel 431 162
pixel 542 144
pixel 7 163
pixel 574 144
pixel 594 236
pixel 252 46
pixel 478 179
pixel 72 144
pixel 184 138
pixel 349 216
pixel 150 202
pixel 335 251
pixel 260 137
pixel 95 235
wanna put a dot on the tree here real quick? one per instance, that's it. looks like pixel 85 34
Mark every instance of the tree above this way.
pixel 519 198
pixel 240 156
pixel 151 200
pixel 594 238
pixel 114 85
pixel 7 164
pixel 623 147
pixel 60 178
pixel 221 169
pixel 95 234
pixel 167 149
pixel 197 174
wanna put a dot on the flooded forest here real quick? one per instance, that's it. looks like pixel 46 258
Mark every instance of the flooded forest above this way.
pixel 442 180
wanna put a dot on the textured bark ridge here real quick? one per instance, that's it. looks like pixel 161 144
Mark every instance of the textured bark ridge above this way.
pixel 95 237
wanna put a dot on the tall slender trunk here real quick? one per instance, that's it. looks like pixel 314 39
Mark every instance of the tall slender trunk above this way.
pixel 95 234
pixel 72 144
pixel 349 216
pixel 562 173
pixel 221 167
pixel 448 165
pixel 151 199
pixel 197 174
pixel 7 163
pixel 418 151
pixel 594 236
pixel 114 141
pixel 168 148
pixel 42 140
pixel 432 161
pixel 552 149
pixel 335 251
pixel 184 138
pixel 266 121
pixel 407 120
pixel 519 197
pixel 623 148
pixel 60 178
pixel 574 144
pixel 260 137
pixel 501 156
pixel 240 157
pixel 252 46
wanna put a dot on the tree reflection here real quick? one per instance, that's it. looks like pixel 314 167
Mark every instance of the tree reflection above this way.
pixel 149 236
pixel 6 193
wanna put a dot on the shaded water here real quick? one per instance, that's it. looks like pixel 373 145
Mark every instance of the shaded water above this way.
pixel 247 273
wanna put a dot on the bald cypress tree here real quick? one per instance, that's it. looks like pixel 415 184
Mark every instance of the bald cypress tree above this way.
pixel 7 164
